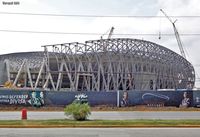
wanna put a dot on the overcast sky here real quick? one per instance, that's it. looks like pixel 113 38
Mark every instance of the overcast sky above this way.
pixel 22 42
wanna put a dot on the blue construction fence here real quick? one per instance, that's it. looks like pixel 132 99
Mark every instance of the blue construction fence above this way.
pixel 24 97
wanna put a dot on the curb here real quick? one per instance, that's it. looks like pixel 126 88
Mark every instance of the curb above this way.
pixel 90 126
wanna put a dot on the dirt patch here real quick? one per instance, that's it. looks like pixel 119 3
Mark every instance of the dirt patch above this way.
pixel 101 108
pixel 143 108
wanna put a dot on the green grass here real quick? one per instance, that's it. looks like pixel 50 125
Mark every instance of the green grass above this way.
pixel 99 123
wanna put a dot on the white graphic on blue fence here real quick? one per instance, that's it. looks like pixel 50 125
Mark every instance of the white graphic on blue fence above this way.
pixel 14 99
pixel 81 98
pixel 156 95
pixel 152 99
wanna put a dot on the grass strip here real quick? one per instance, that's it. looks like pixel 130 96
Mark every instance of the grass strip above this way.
pixel 100 123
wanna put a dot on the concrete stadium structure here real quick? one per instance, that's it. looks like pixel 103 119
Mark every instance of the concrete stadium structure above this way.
pixel 99 65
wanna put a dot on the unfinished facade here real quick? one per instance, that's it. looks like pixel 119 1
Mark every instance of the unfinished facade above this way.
pixel 100 65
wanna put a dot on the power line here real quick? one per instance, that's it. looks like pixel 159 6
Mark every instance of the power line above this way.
pixel 94 16
pixel 50 32
pixel 82 33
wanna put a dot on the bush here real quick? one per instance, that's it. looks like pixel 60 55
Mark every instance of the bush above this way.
pixel 79 111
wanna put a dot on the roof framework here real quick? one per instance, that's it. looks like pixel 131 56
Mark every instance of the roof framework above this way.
pixel 118 64
pixel 102 65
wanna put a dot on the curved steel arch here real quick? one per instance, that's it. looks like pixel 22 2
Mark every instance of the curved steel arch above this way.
pixel 182 73
pixel 113 64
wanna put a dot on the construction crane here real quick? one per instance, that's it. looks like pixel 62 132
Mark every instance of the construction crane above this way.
pixel 110 33
pixel 109 36
pixel 176 34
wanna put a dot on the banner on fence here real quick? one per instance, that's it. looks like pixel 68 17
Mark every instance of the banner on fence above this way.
pixel 156 98
pixel 196 98
pixel 114 98
pixel 24 98
pixel 94 98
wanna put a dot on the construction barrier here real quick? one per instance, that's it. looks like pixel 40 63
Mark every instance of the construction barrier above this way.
pixel 38 98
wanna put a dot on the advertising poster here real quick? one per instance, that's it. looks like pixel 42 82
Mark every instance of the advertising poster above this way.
pixel 23 98
pixel 156 98
pixel 196 98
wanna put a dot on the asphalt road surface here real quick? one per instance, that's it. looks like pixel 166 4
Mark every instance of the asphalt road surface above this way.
pixel 108 115
pixel 99 132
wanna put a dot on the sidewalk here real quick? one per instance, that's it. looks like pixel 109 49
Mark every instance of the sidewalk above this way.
pixel 105 115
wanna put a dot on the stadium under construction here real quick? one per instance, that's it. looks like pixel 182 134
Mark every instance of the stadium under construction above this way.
pixel 98 65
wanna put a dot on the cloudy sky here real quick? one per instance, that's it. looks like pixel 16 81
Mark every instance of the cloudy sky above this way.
pixel 21 42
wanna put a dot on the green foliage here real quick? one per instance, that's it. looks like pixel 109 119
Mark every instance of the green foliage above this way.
pixel 79 111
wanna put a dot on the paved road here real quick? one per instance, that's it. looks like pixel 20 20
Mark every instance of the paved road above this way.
pixel 104 115
pixel 99 132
